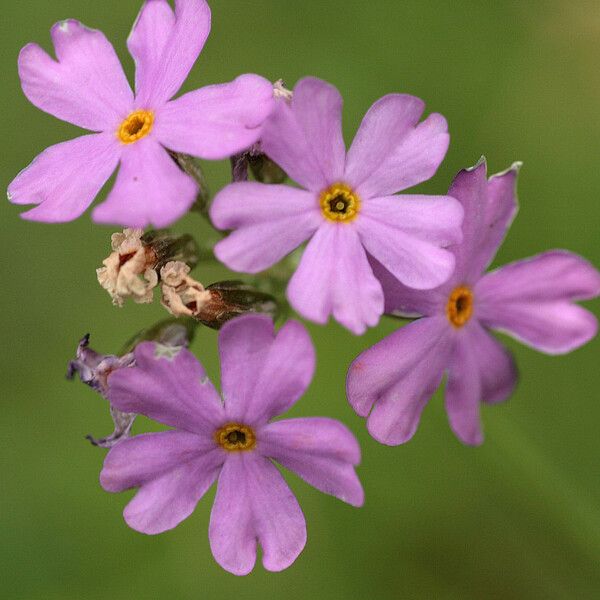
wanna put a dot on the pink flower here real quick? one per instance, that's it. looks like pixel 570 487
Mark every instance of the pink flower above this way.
pixel 86 86
pixel 232 441
pixel 533 300
pixel 346 209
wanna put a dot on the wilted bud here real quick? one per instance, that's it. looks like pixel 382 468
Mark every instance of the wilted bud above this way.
pixel 131 270
pixel 183 296
pixel 94 369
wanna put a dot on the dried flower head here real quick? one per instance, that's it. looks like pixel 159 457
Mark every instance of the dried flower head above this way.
pixel 182 295
pixel 129 270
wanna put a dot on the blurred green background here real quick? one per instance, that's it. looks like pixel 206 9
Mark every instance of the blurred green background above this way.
pixel 517 518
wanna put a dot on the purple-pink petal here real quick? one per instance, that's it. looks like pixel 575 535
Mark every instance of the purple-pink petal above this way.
pixel 464 392
pixel 401 300
pixel 469 187
pixel 502 207
pixel 231 532
pixel 148 40
pixel 550 327
pixel 263 373
pixel 396 414
pixel 321 451
pixel 549 276
pixel 170 386
pixel 533 300
pixel 407 235
pixel 162 503
pixel 244 345
pixel 268 222
pixel 317 106
pixel 216 121
pixel 150 189
pixel 165 47
pixel 496 366
pixel 85 86
pixel 334 278
pixel 285 141
pixel 391 152
pixel 254 503
pixel 64 179
pixel 490 207
pixel 436 219
pixel 374 372
pixel 386 123
pixel 146 457
pixel 395 379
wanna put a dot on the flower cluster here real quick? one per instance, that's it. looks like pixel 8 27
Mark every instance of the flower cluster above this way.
pixel 340 243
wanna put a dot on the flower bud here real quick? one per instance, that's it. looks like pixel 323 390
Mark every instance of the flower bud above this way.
pixel 167 248
pixel 229 299
pixel 169 332
pixel 265 170
pixel 239 167
pixel 191 166
pixel 213 306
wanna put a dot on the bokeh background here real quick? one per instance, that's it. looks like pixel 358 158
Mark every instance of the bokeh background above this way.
pixel 517 518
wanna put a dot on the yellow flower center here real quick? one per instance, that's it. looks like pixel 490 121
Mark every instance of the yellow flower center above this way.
pixel 136 126
pixel 235 437
pixel 460 306
pixel 339 203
